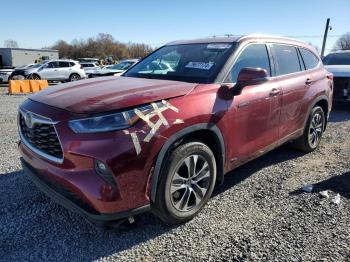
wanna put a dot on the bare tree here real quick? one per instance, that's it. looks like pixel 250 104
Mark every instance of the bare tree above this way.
pixel 102 46
pixel 343 42
pixel 10 43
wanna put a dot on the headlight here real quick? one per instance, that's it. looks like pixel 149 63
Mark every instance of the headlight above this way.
pixel 106 123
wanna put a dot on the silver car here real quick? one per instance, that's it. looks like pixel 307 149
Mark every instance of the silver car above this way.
pixel 4 75
pixel 89 67
pixel 56 70
pixel 115 70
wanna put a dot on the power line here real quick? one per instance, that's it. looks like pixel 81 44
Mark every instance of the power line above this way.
pixel 311 36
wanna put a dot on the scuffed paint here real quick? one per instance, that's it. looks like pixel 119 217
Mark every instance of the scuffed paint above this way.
pixel 178 121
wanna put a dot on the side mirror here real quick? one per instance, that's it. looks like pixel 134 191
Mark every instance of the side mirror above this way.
pixel 250 76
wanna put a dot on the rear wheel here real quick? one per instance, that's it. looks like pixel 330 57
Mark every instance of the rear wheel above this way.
pixel 314 128
pixel 74 77
pixel 186 183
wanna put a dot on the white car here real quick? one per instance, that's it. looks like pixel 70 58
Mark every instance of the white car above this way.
pixel 56 70
pixel 5 74
pixel 90 67
pixel 338 63
pixel 116 69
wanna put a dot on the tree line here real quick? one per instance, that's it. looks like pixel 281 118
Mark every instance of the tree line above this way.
pixel 103 46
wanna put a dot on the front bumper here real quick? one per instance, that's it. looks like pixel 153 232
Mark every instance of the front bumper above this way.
pixel 68 200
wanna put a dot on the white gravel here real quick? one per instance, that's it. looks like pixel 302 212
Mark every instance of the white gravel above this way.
pixel 260 213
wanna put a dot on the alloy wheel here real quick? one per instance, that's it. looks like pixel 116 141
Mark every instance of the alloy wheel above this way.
pixel 74 78
pixel 190 183
pixel 315 130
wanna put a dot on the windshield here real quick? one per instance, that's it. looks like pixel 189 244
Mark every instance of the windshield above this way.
pixel 195 63
pixel 122 66
pixel 36 66
pixel 337 59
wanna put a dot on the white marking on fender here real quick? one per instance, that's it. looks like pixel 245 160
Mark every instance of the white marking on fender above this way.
pixel 154 127
pixel 178 121
pixel 135 141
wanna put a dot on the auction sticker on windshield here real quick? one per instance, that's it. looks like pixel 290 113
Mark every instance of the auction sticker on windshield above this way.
pixel 200 65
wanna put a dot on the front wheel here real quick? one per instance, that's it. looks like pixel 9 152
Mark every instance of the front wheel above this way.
pixel 314 128
pixel 34 77
pixel 186 183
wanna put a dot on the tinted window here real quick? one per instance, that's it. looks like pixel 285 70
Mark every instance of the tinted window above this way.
pixel 71 64
pixel 255 56
pixel 52 65
pixel 63 64
pixel 287 60
pixel 196 63
pixel 310 60
pixel 337 59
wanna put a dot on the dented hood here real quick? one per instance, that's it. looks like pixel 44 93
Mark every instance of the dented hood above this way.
pixel 110 93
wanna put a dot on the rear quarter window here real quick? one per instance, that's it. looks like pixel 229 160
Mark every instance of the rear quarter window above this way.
pixel 286 59
pixel 309 58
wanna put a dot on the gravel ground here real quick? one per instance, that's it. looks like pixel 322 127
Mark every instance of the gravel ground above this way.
pixel 260 213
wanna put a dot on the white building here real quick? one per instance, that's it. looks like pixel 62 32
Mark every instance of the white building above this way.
pixel 23 56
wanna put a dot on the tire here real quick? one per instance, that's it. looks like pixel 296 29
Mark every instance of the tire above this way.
pixel 34 77
pixel 191 190
pixel 314 128
pixel 74 77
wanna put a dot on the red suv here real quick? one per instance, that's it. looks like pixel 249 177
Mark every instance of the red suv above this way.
pixel 162 135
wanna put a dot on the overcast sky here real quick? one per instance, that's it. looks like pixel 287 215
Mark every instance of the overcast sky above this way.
pixel 36 23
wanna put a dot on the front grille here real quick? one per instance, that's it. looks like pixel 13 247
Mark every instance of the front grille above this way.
pixel 41 136
pixel 341 84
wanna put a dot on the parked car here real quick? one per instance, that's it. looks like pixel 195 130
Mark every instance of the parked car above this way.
pixel 5 74
pixel 115 70
pixel 17 73
pixel 338 64
pixel 54 70
pixel 90 67
pixel 113 148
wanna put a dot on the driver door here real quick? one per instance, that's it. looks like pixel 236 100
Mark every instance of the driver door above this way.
pixel 50 72
pixel 254 114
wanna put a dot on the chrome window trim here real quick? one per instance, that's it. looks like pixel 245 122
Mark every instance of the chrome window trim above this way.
pixel 42 120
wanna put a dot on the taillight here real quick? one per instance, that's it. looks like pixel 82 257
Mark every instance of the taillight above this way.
pixel 81 67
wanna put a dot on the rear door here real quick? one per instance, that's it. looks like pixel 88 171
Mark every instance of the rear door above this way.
pixel 294 81
pixel 255 113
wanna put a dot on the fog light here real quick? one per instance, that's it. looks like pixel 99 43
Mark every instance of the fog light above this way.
pixel 104 172
pixel 101 168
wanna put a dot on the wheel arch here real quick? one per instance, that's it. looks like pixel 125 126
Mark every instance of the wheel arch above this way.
pixel 323 102
pixel 195 132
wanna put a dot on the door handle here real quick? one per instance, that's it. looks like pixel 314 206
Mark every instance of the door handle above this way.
pixel 275 92
pixel 55 70
pixel 308 81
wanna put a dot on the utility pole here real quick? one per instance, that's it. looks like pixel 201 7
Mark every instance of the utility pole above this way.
pixel 325 37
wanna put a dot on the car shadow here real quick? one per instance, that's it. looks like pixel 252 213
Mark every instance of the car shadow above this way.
pixel 42 225
pixel 279 155
pixel 338 184
pixel 32 223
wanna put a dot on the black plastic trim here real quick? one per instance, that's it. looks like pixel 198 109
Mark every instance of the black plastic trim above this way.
pixel 60 199
pixel 176 137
